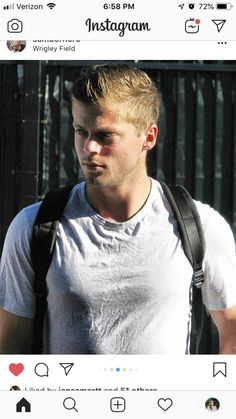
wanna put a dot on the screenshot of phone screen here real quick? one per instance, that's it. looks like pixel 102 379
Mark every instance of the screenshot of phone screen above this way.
pixel 117 209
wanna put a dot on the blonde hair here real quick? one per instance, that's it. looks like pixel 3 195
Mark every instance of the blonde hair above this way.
pixel 129 88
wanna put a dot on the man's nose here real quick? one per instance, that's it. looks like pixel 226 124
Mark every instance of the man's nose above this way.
pixel 92 146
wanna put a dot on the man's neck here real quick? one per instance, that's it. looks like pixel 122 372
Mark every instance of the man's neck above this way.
pixel 119 203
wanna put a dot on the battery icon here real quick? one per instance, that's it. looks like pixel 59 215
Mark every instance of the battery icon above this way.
pixel 224 6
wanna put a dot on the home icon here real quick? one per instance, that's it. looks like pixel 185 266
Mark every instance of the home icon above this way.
pixel 23 406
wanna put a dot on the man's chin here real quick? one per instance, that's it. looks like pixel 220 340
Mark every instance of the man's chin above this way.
pixel 96 180
pixel 100 182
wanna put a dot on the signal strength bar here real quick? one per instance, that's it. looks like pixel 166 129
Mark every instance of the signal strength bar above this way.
pixel 9 7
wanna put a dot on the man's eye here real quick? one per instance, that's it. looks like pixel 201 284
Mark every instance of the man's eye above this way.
pixel 80 131
pixel 105 136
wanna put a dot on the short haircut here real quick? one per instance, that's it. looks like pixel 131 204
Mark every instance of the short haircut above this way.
pixel 129 88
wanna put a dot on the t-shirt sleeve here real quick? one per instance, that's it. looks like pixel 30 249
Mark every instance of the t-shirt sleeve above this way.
pixel 16 273
pixel 219 287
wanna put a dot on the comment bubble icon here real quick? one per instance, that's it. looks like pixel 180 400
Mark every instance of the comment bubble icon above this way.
pixel 41 369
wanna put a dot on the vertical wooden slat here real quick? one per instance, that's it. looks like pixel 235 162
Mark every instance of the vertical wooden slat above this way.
pixel 209 138
pixel 190 132
pixel 228 145
pixel 169 148
pixel 234 157
pixel 42 115
pixel 54 132
pixel 180 129
pixel 29 166
pixel 199 176
pixel 9 143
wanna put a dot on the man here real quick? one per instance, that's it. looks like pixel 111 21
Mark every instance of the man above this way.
pixel 119 282
pixel 16 46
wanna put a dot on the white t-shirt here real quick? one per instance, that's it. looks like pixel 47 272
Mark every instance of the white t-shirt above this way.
pixel 212 409
pixel 118 288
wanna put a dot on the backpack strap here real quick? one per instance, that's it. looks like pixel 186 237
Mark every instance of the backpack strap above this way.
pixel 42 244
pixel 193 242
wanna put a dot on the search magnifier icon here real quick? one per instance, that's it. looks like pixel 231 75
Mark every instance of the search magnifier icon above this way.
pixel 69 404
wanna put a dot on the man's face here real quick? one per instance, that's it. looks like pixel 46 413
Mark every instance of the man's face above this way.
pixel 109 149
pixel 16 46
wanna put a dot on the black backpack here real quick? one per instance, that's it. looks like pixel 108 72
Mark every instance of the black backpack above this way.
pixel 44 237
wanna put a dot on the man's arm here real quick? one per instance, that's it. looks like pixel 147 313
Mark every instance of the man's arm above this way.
pixel 225 321
pixel 15 333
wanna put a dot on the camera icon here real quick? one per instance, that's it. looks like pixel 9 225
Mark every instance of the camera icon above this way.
pixel 15 26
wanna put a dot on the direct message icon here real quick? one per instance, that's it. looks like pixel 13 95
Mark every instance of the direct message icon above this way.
pixel 66 366
pixel 219 368
pixel 165 404
pixel 219 23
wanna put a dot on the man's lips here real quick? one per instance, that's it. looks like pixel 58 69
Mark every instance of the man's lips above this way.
pixel 89 163
pixel 92 165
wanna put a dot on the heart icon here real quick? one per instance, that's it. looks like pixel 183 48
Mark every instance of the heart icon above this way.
pixel 164 404
pixel 16 369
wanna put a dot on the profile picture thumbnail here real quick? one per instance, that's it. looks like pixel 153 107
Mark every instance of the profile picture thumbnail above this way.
pixel 212 404
pixel 16 46
pixel 15 388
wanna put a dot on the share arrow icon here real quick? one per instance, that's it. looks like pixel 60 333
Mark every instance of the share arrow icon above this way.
pixel 67 367
pixel 219 23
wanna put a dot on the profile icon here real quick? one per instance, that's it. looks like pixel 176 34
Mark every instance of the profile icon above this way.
pixel 15 388
pixel 16 46
pixel 212 404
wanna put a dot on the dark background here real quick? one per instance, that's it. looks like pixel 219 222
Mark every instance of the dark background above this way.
pixel 196 144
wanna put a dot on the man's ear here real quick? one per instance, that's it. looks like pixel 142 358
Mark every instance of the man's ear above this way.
pixel 151 137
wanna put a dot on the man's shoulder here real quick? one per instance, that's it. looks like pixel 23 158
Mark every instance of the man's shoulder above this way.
pixel 29 212
pixel 204 210
pixel 21 226
pixel 26 215
pixel 25 218
pixel 211 219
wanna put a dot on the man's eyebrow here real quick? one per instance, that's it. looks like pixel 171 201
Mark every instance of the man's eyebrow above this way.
pixel 101 130
pixel 77 125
